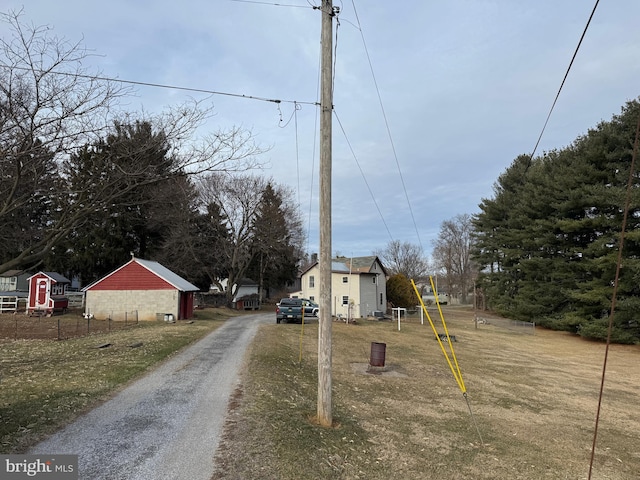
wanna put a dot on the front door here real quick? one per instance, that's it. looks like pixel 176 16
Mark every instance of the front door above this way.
pixel 41 292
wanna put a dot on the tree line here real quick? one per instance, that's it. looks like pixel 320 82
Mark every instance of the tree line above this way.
pixel 83 184
pixel 546 245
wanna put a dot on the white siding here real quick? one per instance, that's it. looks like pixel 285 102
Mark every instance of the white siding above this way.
pixel 364 294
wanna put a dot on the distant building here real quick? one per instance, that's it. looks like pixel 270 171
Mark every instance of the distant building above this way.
pixel 358 286
pixel 14 291
pixel 14 281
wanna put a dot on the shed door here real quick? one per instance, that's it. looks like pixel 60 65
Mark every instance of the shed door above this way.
pixel 41 292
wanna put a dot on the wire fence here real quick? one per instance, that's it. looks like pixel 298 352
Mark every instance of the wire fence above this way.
pixel 512 325
pixel 61 327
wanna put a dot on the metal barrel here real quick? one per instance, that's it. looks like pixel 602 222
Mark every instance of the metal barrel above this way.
pixel 378 352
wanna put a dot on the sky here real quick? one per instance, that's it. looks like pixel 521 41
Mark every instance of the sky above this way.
pixel 433 100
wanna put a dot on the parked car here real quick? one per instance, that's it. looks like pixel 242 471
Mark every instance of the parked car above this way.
pixel 311 308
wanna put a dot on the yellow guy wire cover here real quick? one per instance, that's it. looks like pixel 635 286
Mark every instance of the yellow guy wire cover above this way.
pixel 301 335
pixel 446 331
pixel 455 371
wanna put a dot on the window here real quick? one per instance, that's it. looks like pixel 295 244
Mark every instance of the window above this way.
pixel 312 298
pixel 374 280
pixel 345 279
pixel 312 281
pixel 380 299
pixel 345 300
pixel 57 289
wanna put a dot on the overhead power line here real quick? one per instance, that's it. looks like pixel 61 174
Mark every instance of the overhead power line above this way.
pixel 161 85
pixel 575 53
pixel 272 4
pixel 373 197
pixel 386 122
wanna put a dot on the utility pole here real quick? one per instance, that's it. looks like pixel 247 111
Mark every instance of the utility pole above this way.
pixel 325 417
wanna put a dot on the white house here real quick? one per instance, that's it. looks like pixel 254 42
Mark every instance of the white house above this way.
pixel 358 286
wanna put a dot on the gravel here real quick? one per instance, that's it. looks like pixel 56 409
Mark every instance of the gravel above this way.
pixel 168 423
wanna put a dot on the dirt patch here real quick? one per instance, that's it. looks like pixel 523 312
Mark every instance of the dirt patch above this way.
pixel 386 371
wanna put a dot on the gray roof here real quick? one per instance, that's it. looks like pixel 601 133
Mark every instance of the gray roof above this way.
pixel 13 273
pixel 54 276
pixel 166 274
pixel 353 265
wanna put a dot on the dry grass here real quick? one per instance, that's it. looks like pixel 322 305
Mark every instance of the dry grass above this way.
pixel 44 384
pixel 534 399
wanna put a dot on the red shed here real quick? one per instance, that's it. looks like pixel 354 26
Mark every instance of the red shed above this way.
pixel 143 287
pixel 47 293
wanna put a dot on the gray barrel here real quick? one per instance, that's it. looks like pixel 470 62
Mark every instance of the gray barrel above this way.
pixel 378 351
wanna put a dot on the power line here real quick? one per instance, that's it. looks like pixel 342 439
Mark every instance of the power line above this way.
pixel 386 122
pixel 275 4
pixel 575 53
pixel 160 85
pixel 362 173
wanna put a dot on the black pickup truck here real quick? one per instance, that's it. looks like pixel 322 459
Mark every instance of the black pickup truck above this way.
pixel 291 309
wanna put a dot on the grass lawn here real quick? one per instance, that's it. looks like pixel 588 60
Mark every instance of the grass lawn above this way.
pixel 534 400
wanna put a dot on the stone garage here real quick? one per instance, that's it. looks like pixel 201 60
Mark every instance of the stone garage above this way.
pixel 140 289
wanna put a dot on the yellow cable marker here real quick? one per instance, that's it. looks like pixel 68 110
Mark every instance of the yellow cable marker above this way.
pixel 455 371
pixel 457 374
pixel 301 335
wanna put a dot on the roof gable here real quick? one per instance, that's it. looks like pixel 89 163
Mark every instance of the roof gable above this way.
pixel 139 274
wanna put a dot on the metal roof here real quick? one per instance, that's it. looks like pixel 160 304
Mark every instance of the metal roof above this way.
pixel 166 274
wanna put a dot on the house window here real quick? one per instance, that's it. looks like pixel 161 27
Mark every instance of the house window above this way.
pixel 345 279
pixel 312 281
pixel 312 298
pixel 373 280
pixel 380 299
pixel 345 300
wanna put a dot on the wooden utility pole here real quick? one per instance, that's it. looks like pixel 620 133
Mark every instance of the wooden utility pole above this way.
pixel 325 417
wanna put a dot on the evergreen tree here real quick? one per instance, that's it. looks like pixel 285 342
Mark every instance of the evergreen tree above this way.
pixel 275 261
pixel 547 242
pixel 132 160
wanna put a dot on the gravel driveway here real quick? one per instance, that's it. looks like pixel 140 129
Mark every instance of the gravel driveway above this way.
pixel 167 424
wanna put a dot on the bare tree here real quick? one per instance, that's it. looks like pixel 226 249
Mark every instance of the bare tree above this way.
pixel 404 258
pixel 51 106
pixel 238 199
pixel 452 254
